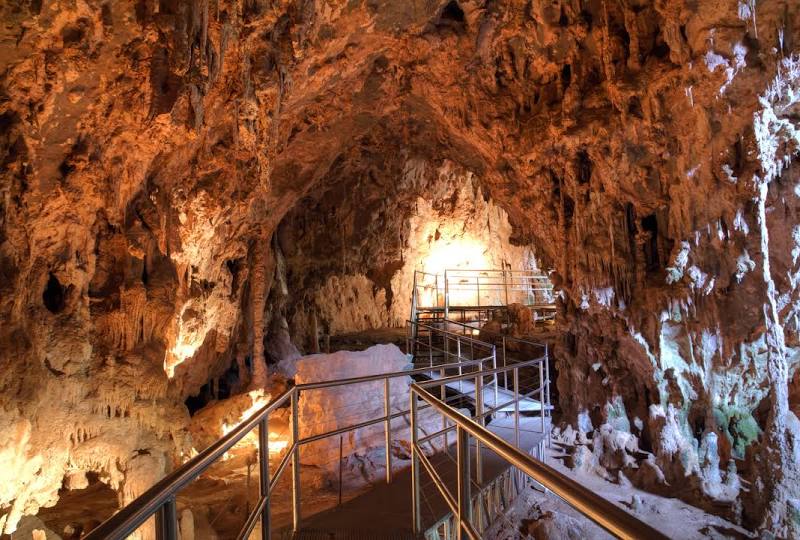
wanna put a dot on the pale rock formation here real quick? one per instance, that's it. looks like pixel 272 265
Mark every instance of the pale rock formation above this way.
pixel 354 254
pixel 327 409
pixel 646 150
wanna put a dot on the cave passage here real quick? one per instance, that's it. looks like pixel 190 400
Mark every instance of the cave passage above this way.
pixel 565 228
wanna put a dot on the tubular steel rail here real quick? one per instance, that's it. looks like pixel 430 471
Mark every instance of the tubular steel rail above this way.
pixel 478 290
pixel 160 500
pixel 435 342
pixel 607 515
pixel 512 351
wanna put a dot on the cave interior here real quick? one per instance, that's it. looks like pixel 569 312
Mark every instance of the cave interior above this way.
pixel 209 206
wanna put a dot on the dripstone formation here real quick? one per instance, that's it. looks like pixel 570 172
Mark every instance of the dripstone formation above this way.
pixel 160 158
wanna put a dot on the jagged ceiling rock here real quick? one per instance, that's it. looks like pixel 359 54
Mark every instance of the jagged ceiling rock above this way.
pixel 150 150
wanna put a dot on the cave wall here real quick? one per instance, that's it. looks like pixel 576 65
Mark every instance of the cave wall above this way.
pixel 150 150
pixel 351 251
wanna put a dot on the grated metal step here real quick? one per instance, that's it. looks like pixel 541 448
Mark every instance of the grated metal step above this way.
pixel 353 534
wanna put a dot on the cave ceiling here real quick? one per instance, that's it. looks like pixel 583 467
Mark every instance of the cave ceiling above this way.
pixel 152 148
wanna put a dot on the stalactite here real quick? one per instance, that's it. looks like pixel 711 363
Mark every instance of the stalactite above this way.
pixel 258 290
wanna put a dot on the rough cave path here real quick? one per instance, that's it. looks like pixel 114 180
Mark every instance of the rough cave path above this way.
pixel 385 510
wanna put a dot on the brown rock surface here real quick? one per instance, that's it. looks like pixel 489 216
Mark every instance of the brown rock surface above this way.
pixel 151 149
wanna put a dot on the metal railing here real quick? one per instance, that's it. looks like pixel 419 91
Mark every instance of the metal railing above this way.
pixel 479 290
pixel 512 350
pixel 496 287
pixel 434 344
pixel 607 515
pixel 161 499
pixel 475 362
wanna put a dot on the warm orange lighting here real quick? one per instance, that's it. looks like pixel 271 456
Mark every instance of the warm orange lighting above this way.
pixel 277 444
pixel 459 253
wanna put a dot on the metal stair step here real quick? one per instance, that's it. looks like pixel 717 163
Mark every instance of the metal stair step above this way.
pixel 350 534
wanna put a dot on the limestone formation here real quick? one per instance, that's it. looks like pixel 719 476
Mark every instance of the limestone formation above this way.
pixel 174 173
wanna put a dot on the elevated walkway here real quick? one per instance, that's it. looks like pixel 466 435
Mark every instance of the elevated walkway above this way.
pixel 385 510
pixel 504 399
pixel 494 412
pixel 480 295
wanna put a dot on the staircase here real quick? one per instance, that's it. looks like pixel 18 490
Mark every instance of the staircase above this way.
pixel 492 449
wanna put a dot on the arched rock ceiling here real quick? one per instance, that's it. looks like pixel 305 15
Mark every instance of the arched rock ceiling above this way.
pixel 151 146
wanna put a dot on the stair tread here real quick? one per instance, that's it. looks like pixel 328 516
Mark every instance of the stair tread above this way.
pixel 353 534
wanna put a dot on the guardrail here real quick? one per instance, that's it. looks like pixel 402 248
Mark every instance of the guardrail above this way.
pixel 607 515
pixel 160 500
pixel 520 350
pixel 476 290
pixel 440 345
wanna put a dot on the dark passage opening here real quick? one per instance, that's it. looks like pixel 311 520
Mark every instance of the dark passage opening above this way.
pixel 53 295
pixel 650 225
pixel 453 13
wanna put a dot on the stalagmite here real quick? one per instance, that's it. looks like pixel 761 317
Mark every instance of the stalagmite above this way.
pixel 196 195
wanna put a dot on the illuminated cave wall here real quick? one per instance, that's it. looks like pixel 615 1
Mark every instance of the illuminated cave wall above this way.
pixel 152 148
pixel 350 258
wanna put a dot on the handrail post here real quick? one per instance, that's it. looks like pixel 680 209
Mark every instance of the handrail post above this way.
pixel 414 298
pixel 505 364
pixel 464 495
pixel 479 414
pixel 264 478
pixel 167 520
pixel 460 370
pixel 516 407
pixel 416 517
pixel 446 341
pixel 494 367
pixel 443 397
pixel 446 297
pixel 430 346
pixel 478 456
pixel 388 429
pixel 547 376
pixel 541 393
pixel 295 461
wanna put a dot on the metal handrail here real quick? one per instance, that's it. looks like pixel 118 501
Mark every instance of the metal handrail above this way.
pixel 496 334
pixel 449 333
pixel 134 515
pixel 606 514
pixel 159 500
pixel 456 280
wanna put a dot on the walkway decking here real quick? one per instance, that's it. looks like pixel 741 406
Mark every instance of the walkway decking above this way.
pixel 385 510
pixel 526 405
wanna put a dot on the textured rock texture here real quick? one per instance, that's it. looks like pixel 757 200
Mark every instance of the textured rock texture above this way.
pixel 353 253
pixel 151 148
pixel 327 409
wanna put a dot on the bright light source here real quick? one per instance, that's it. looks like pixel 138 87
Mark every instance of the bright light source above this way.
pixel 451 252
pixel 462 253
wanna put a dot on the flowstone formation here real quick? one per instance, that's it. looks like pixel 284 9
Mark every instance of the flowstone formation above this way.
pixel 150 150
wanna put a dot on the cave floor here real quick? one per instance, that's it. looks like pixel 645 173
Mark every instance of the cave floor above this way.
pixel 672 516
pixel 387 507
